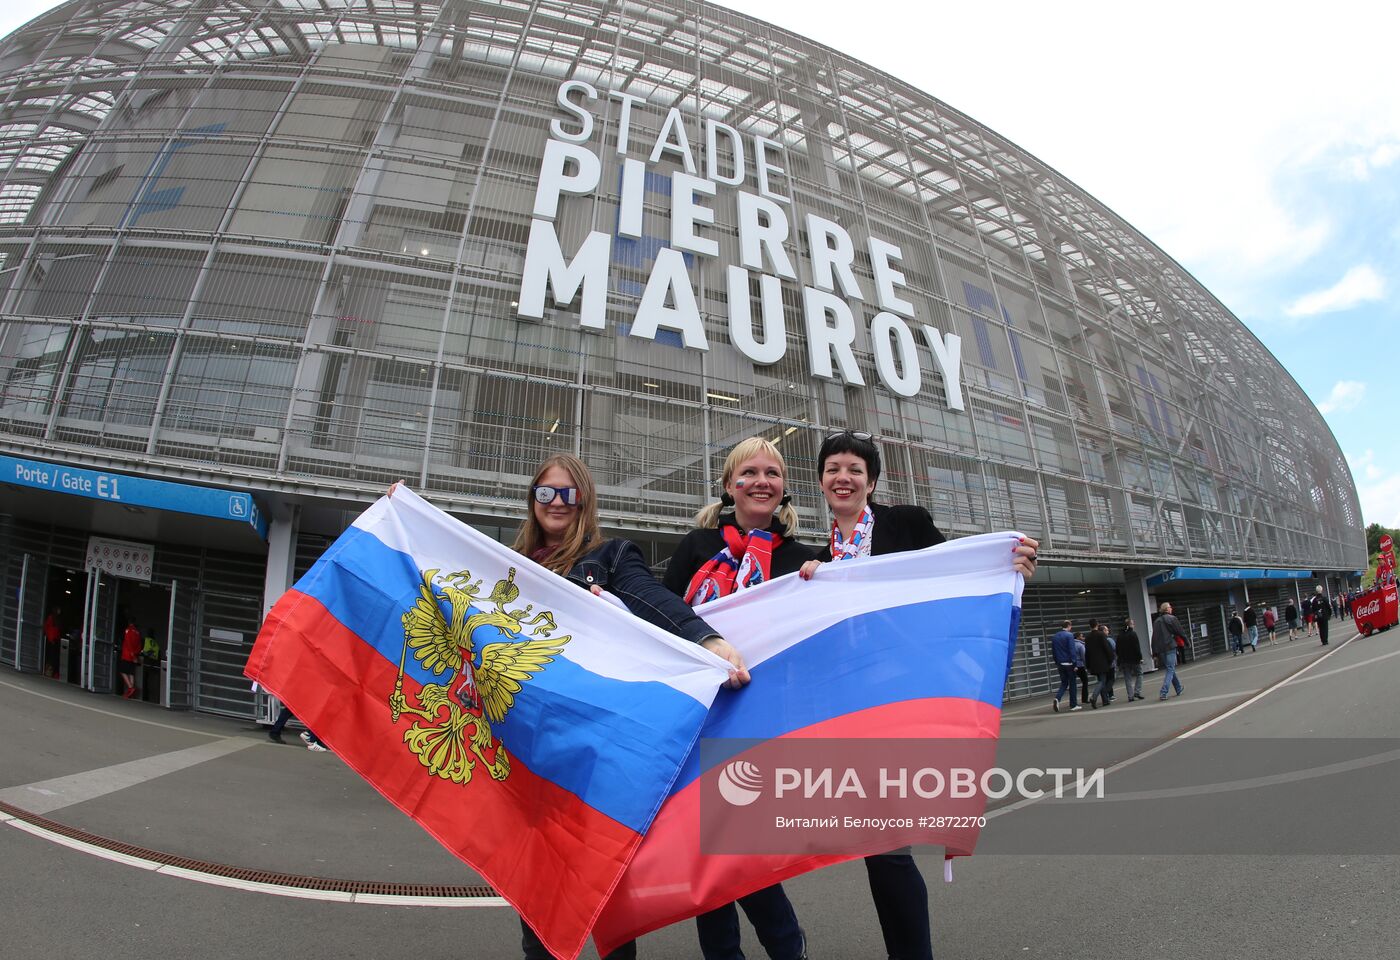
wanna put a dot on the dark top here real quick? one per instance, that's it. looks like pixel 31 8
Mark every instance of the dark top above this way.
pixel 701 544
pixel 896 530
pixel 1235 625
pixel 618 567
pixel 1250 618
pixel 1321 607
pixel 1290 613
pixel 1129 647
pixel 1164 632
pixel 1098 655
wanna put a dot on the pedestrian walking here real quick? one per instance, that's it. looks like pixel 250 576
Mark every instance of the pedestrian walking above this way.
pixel 1269 622
pixel 1112 664
pixel 1290 614
pixel 1098 660
pixel 1165 634
pixel 1251 626
pixel 1062 648
pixel 1129 649
pixel 1079 670
pixel 53 640
pixel 131 650
pixel 1235 628
pixel 1322 612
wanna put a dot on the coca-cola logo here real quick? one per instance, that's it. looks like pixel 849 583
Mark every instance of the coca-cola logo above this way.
pixel 1369 609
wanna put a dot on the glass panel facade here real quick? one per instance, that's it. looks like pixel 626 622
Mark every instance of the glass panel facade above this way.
pixel 289 242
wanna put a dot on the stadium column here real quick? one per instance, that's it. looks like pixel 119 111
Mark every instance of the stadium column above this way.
pixel 1140 609
pixel 283 522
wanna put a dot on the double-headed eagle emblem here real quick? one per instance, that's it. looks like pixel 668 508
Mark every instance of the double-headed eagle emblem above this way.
pixel 489 657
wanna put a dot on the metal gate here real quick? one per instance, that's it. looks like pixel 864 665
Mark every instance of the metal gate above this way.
pixel 228 625
pixel 179 648
pixel 26 653
pixel 1203 616
pixel 1043 609
pixel 99 637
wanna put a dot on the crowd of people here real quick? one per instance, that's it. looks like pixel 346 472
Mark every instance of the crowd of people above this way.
pixel 1098 654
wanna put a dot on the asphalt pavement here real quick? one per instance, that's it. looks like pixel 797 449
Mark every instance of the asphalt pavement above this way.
pixel 1250 823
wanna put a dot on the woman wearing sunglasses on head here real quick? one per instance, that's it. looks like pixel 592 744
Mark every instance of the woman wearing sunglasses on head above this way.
pixel 848 468
pixel 561 533
pixel 745 539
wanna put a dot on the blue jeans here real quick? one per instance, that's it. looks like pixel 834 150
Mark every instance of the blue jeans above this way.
pixel 1170 680
pixel 1254 636
pixel 901 903
pixel 1067 680
pixel 773 919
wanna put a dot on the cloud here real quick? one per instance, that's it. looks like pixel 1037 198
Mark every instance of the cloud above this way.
pixel 1360 285
pixel 1360 166
pixel 1365 465
pixel 1380 501
pixel 1346 395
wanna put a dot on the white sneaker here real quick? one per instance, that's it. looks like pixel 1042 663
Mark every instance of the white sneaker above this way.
pixel 316 747
pixel 306 737
pixel 1077 706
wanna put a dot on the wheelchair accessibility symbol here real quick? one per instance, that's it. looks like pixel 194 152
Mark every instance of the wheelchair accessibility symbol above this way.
pixel 238 507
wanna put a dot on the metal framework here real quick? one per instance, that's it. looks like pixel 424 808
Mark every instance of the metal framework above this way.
pixel 278 242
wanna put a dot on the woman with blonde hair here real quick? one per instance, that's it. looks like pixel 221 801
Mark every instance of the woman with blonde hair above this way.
pixel 561 533
pixel 741 541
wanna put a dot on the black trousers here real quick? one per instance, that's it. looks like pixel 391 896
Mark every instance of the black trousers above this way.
pixel 534 950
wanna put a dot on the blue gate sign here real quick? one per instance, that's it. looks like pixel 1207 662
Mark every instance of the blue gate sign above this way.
pixel 135 491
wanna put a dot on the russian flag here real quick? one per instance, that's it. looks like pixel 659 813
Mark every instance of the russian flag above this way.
pixel 531 728
pixel 911 645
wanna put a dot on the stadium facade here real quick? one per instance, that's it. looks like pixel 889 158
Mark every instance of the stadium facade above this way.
pixel 259 259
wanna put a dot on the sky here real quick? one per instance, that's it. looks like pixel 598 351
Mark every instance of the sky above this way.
pixel 1257 144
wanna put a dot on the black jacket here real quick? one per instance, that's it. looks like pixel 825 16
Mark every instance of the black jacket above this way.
pixel 618 567
pixel 896 530
pixel 1098 655
pixel 701 544
pixel 1129 647
pixel 1321 607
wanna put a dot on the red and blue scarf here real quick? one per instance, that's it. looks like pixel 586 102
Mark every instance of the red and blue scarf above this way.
pixel 859 544
pixel 746 561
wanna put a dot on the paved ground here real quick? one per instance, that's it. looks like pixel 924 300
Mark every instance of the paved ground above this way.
pixel 1197 863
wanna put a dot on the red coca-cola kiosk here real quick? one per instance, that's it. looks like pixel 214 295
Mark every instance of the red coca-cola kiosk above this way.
pixel 1379 607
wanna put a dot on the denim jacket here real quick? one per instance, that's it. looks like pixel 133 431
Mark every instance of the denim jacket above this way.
pixel 617 566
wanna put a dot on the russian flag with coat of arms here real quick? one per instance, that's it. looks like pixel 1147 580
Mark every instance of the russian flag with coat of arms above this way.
pixel 533 730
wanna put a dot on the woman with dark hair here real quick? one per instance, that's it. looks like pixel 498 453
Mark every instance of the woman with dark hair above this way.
pixel 848 468
pixel 744 539
pixel 560 532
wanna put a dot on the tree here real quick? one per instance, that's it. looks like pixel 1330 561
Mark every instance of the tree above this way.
pixel 1373 538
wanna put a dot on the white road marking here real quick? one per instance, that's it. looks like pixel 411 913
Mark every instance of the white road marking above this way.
pixel 250 886
pixel 1167 744
pixel 48 795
